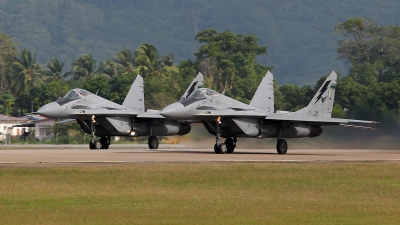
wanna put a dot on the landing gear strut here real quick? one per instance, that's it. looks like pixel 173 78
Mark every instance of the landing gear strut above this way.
pixel 93 144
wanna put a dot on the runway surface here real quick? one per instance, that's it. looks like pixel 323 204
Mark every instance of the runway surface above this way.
pixel 30 155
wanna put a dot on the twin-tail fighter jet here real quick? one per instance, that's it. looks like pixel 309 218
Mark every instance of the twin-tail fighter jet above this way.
pixel 227 118
pixel 103 118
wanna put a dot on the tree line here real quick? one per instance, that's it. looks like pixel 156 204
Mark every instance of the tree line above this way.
pixel 227 60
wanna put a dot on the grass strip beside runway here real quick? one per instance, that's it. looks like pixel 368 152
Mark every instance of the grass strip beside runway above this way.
pixel 281 193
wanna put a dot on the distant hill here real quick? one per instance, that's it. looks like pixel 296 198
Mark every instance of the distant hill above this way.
pixel 298 33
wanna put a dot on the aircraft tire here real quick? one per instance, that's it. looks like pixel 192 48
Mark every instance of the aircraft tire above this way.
pixel 91 145
pixel 222 148
pixel 153 142
pixel 97 145
pixel 217 149
pixel 104 143
pixel 230 145
pixel 281 146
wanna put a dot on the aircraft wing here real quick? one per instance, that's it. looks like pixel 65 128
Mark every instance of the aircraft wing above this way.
pixel 318 121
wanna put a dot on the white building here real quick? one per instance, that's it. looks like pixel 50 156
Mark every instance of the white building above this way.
pixel 7 123
pixel 13 127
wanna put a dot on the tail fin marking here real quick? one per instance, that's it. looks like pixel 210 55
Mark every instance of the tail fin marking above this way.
pixel 322 103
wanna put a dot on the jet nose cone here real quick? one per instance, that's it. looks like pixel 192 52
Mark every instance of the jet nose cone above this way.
pixel 51 110
pixel 174 111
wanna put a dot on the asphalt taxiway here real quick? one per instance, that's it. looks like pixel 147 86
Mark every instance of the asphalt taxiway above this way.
pixel 80 154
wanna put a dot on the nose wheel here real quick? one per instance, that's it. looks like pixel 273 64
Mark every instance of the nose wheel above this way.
pixel 220 149
pixel 230 144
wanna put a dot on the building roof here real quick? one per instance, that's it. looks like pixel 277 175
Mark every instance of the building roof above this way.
pixel 12 119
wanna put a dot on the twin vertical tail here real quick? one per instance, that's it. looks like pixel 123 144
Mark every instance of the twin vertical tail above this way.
pixel 264 97
pixel 135 97
pixel 322 103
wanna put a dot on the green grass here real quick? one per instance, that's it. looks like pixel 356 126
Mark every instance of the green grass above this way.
pixel 300 193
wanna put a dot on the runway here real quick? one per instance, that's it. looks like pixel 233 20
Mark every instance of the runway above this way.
pixel 31 155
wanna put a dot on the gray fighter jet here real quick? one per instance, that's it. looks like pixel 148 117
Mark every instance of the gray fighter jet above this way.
pixel 103 118
pixel 225 117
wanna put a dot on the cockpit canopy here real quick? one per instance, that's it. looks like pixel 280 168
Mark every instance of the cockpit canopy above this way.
pixel 201 93
pixel 198 95
pixel 72 95
pixel 76 93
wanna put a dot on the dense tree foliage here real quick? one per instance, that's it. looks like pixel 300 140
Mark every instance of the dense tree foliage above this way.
pixel 229 62
pixel 374 55
pixel 298 33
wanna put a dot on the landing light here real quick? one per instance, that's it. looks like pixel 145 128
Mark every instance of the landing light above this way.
pixel 133 133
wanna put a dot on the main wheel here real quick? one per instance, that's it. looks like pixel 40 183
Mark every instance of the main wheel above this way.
pixel 281 146
pixel 104 143
pixel 216 149
pixel 153 142
pixel 91 145
pixel 230 145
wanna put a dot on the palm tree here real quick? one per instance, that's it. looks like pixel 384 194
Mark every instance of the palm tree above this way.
pixel 27 73
pixel 146 58
pixel 55 69
pixel 126 60
pixel 168 60
pixel 84 67
pixel 109 68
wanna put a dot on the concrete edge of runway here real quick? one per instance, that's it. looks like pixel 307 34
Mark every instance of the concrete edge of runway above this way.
pixel 110 163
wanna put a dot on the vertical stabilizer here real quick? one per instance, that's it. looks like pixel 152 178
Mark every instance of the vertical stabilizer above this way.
pixel 196 83
pixel 264 97
pixel 135 97
pixel 322 103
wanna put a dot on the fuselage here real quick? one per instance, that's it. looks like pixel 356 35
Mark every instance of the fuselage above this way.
pixel 109 118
